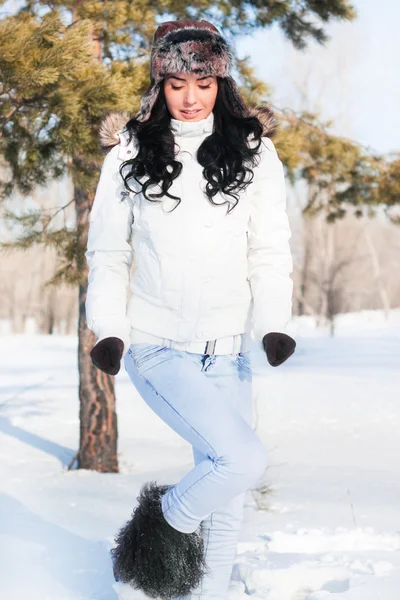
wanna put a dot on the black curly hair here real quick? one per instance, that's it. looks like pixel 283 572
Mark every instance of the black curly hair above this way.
pixel 225 155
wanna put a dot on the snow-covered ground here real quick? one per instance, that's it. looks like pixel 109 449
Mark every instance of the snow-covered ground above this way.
pixel 330 418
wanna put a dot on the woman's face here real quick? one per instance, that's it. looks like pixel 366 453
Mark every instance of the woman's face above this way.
pixel 190 92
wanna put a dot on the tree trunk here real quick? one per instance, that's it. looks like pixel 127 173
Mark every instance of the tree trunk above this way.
pixel 304 275
pixel 378 273
pixel 98 421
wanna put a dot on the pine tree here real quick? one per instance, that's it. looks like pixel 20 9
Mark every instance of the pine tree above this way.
pixel 63 66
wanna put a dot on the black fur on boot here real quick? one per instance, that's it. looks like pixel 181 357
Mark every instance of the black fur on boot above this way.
pixel 154 557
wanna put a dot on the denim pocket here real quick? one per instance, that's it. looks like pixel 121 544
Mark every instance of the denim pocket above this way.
pixel 142 353
pixel 243 361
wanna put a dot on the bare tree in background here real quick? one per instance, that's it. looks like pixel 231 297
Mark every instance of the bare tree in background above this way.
pixel 342 265
pixel 23 291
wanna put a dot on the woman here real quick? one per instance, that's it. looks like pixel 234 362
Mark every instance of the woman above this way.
pixel 194 189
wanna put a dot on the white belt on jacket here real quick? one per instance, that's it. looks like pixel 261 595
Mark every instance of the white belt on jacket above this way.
pixel 231 344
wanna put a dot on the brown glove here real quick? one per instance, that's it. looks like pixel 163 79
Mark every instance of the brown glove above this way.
pixel 106 355
pixel 278 347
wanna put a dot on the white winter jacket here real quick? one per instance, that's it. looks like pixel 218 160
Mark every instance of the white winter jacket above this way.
pixel 200 273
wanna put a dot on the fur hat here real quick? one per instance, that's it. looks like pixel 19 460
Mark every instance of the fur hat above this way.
pixel 188 46
pixel 185 46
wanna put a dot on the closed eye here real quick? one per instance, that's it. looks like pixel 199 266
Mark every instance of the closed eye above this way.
pixel 203 87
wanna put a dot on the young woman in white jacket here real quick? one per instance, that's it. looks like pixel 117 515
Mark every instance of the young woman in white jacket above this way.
pixel 194 190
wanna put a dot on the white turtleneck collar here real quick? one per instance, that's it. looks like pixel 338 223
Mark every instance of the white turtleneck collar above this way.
pixel 193 128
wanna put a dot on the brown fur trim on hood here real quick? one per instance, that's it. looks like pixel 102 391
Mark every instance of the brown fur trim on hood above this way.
pixel 114 122
pixel 267 118
pixel 111 124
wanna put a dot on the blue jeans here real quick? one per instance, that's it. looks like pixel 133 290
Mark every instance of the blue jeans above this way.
pixel 207 400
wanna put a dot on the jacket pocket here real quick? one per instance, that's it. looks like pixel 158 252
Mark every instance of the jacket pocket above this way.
pixel 147 274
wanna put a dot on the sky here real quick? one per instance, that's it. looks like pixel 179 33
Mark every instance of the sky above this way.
pixel 353 79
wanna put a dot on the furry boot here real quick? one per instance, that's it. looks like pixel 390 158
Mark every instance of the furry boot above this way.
pixel 154 557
